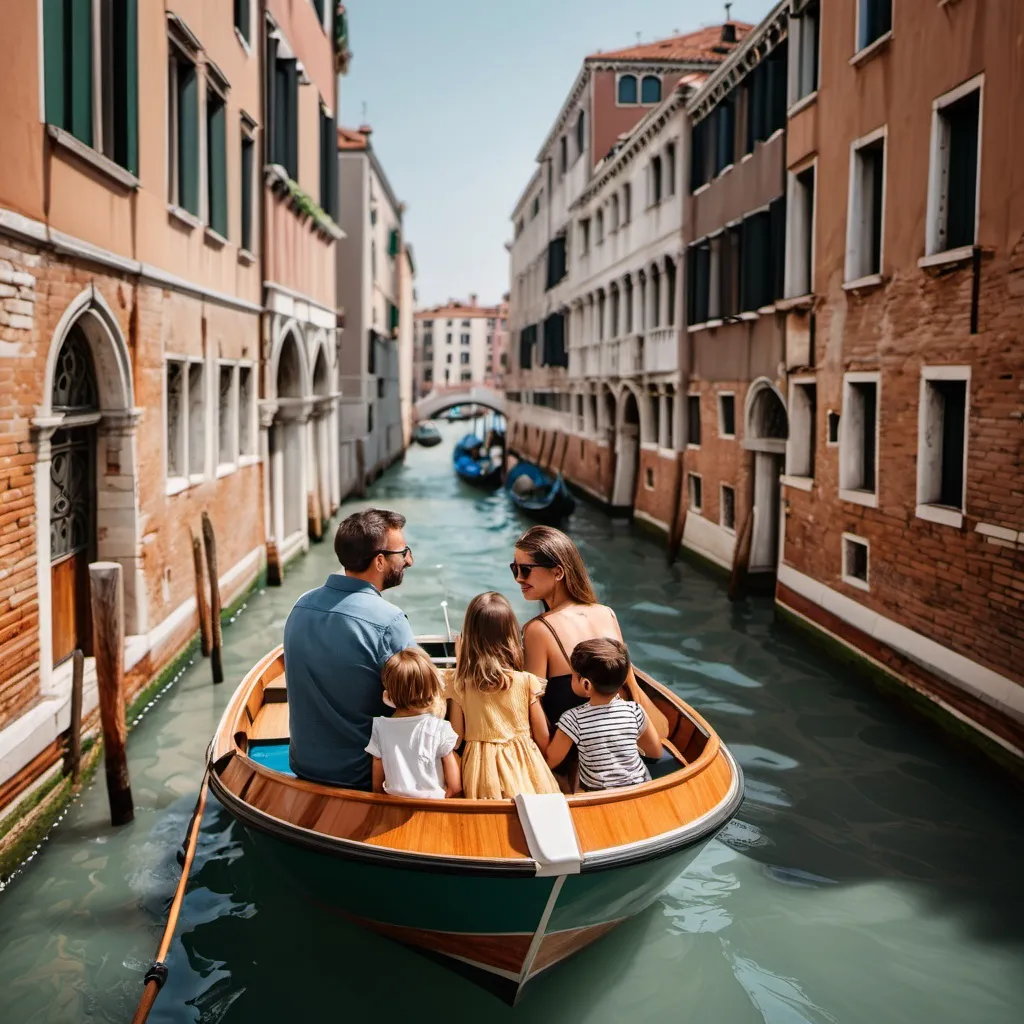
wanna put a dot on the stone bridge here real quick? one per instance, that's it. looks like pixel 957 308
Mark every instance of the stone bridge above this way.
pixel 437 401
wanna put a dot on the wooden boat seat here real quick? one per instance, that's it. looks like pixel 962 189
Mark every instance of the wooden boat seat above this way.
pixel 271 723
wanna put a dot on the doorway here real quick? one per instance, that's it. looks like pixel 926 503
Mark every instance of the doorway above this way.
pixel 627 452
pixel 767 428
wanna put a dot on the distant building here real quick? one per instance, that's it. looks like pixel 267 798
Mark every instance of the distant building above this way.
pixel 458 345
pixel 372 272
pixel 406 340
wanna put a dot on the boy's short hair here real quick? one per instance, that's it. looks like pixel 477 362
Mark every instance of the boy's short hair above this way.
pixel 411 680
pixel 604 662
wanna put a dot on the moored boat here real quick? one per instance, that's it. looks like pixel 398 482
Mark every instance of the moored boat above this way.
pixel 499 890
pixel 538 494
pixel 426 434
pixel 474 464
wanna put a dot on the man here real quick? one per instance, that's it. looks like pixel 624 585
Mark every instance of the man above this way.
pixel 336 641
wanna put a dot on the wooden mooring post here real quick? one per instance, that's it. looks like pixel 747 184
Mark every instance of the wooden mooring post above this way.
pixel 107 600
pixel 210 543
pixel 201 604
pixel 73 755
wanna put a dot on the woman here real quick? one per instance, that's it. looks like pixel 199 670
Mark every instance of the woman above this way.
pixel 548 568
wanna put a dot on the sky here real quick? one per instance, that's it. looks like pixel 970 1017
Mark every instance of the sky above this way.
pixel 461 95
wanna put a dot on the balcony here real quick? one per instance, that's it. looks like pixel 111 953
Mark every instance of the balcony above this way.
pixel 660 353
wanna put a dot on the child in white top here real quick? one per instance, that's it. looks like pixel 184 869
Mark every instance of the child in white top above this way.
pixel 413 751
pixel 607 730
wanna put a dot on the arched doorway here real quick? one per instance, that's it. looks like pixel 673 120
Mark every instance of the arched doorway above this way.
pixel 287 450
pixel 627 451
pixel 75 397
pixel 767 428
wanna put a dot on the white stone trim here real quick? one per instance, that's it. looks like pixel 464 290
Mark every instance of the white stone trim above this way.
pixel 855 201
pixel 847 577
pixel 289 303
pixel 998 691
pixel 799 483
pixel 646 517
pixel 710 540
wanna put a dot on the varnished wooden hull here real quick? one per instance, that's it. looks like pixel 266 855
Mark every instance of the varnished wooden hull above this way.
pixel 456 878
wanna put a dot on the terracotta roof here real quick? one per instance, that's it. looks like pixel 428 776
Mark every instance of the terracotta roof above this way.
pixel 457 310
pixel 704 44
pixel 354 138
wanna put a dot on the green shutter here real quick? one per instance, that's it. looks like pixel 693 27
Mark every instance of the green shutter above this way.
pixel 292 119
pixel 394 243
pixel 80 83
pixel 188 137
pixel 242 19
pixel 246 192
pixel 126 84
pixel 216 164
pixel 54 48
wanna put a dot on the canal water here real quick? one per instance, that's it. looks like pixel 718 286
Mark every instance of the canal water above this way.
pixel 872 874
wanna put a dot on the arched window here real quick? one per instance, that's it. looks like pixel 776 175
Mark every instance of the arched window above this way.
pixel 627 89
pixel 650 89
pixel 581 133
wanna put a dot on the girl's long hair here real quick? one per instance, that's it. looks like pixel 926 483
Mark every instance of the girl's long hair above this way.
pixel 550 547
pixel 492 648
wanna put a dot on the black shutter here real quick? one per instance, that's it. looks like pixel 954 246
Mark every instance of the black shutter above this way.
pixel 292 119
pixel 961 190
pixel 125 29
pixel 271 128
pixel 777 248
pixel 954 408
pixel 702 286
pixel 777 89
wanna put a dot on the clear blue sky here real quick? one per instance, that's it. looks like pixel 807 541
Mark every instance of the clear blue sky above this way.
pixel 461 93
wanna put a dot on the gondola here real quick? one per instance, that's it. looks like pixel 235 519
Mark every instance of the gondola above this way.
pixel 473 463
pixel 498 890
pixel 426 434
pixel 538 494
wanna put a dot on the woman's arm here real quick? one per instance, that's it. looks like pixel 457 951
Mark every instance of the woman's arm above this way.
pixel 535 649
pixel 378 775
pixel 539 725
pixel 457 720
pixel 558 749
pixel 452 774
pixel 638 695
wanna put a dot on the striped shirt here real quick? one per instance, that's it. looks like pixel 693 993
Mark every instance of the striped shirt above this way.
pixel 606 735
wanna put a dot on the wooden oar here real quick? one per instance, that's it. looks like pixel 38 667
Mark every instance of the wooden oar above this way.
pixel 157 973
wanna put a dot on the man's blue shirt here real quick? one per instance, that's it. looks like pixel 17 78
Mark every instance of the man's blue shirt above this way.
pixel 336 641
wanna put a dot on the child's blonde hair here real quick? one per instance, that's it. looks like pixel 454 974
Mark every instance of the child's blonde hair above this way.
pixel 411 680
pixel 492 647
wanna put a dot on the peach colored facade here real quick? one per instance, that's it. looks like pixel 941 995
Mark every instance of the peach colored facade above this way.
pixel 163 328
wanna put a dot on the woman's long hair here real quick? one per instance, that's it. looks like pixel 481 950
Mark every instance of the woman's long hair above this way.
pixel 492 648
pixel 550 547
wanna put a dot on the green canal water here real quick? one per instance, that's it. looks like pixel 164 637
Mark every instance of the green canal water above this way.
pixel 873 874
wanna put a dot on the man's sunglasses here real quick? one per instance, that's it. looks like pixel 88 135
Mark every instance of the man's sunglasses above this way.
pixel 403 552
pixel 522 570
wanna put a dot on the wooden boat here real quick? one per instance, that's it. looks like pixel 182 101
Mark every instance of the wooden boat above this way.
pixel 426 434
pixel 474 464
pixel 544 497
pixel 486 886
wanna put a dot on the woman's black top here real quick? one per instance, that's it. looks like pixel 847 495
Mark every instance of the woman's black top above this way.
pixel 558 697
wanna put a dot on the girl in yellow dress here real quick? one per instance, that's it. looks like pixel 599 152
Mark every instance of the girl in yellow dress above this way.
pixel 496 707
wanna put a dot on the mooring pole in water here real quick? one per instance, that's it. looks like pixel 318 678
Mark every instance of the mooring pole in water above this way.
pixel 678 521
pixel 73 757
pixel 106 590
pixel 210 543
pixel 201 605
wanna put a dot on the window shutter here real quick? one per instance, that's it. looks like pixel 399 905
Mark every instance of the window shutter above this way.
pixel 188 138
pixel 54 38
pixel 292 119
pixel 246 192
pixel 217 164
pixel 79 84
pixel 242 20
pixel 126 84
pixel 271 128
pixel 777 243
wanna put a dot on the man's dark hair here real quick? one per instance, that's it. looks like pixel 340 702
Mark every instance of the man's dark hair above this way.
pixel 362 535
pixel 604 662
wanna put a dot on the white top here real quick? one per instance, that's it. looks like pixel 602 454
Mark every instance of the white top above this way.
pixel 411 749
pixel 606 735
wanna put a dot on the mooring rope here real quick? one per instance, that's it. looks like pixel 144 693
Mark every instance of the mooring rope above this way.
pixel 157 973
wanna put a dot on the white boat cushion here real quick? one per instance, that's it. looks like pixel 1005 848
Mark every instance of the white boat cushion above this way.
pixel 550 835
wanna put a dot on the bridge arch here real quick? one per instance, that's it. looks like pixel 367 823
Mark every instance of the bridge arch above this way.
pixel 437 402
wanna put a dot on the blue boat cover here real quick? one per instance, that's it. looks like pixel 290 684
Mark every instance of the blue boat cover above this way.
pixel 273 756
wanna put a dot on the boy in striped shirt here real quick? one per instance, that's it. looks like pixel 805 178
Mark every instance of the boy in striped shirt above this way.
pixel 607 730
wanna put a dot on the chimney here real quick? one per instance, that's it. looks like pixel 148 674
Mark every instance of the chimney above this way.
pixel 365 129
pixel 728 32
pixel 472 299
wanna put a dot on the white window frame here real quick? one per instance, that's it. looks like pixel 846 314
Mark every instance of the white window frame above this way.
pixel 929 457
pixel 938 166
pixel 799 438
pixel 229 466
pixel 251 457
pixel 182 481
pixel 856 581
pixel 722 488
pixel 795 217
pixel 721 415
pixel 690 506
pixel 860 52
pixel 854 211
pixel 848 426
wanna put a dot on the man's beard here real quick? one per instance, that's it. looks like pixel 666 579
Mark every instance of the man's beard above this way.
pixel 393 578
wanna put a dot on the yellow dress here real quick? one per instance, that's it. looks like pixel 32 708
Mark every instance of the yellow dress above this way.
pixel 500 759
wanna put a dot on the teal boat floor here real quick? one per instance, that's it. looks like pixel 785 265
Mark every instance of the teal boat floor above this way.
pixel 271 755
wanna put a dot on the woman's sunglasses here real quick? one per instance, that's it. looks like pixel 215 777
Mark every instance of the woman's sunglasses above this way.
pixel 522 570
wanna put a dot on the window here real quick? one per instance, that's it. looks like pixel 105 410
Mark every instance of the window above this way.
pixel 670 289
pixel 693 421
pixel 726 414
pixel 725 133
pixel 527 343
pixel 246 411
pixel 563 155
pixel 649 478
pixel 727 509
pixel 584 236
pixel 858 447
pixel 765 96
pixel 464 358
pixel 227 416
pixel 599 227
pixel 186 412
pixel 428 374
pixel 627 90
pixel 557 265
pixel 369 419
pixel 246 191
pixel 613 207
pixel 866 208
pixel 581 134
pixel 183 132
pixel 855 561
pixel 242 18
pixel 729 270
pixel 650 89
pixel 381 387
pixel 535 207
pixel 91 85
pixel 670 169
pixel 465 375
pixel 874 20
pixel 282 126
pixel 328 164
pixel 695 492
pixel 464 339
pixel 395 246
pixel 698 272
pixel 216 163
pixel 394 317
pixel 942 443
pixel 953 181
pixel 804 30
pixel 803 415
pixel 800 236
pixel 654 182
pixel 627 202
pixel 448 358
pixel 757 265
pixel 833 428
